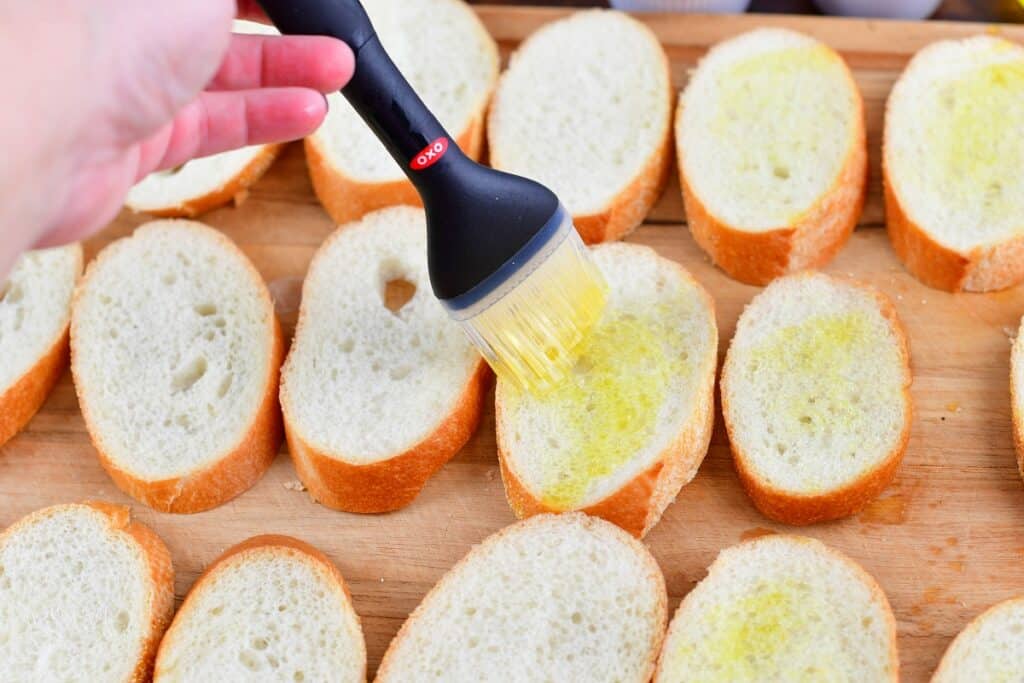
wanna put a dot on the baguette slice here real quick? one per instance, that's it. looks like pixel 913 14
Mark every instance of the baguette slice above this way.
pixel 585 108
pixel 204 184
pixel 554 598
pixel 175 352
pixel 953 153
pixel 816 397
pixel 451 61
pixel 1017 396
pixel 270 609
pixel 990 648
pixel 782 608
pixel 85 594
pixel 35 310
pixel 772 154
pixel 376 400
pixel 631 425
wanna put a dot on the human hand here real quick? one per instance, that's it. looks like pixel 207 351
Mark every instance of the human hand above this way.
pixel 103 92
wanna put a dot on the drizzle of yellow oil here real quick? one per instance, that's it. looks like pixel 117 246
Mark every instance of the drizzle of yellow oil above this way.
pixel 769 633
pixel 772 102
pixel 977 133
pixel 609 405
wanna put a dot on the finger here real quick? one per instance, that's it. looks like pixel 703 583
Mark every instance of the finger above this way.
pixel 256 61
pixel 221 121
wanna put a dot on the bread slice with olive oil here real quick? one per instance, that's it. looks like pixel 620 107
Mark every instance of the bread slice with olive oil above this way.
pixel 782 608
pixel 952 160
pixel 175 351
pixel 450 59
pixel 631 424
pixel 553 598
pixel 585 108
pixel 772 154
pixel 816 397
pixel 269 609
pixel 35 312
pixel 990 648
pixel 206 183
pixel 378 393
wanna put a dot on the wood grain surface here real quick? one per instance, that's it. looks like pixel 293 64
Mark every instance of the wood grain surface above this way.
pixel 945 541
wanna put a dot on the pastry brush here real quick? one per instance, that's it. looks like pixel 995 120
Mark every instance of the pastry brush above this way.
pixel 504 257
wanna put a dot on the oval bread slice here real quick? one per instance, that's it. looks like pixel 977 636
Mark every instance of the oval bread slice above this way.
pixel 554 598
pixel 990 648
pixel 85 594
pixel 630 426
pixel 772 154
pixel 270 609
pixel 375 400
pixel 782 608
pixel 35 311
pixel 952 159
pixel 585 108
pixel 175 351
pixel 206 183
pixel 450 60
pixel 816 397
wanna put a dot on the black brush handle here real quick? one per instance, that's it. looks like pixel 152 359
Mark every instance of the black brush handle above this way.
pixel 378 91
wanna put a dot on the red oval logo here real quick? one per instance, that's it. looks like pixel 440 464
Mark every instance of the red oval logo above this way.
pixel 429 155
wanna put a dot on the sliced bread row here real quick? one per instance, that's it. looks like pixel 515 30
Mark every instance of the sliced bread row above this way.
pixel 87 594
pixel 35 312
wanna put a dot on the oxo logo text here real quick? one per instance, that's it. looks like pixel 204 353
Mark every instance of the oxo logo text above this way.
pixel 429 155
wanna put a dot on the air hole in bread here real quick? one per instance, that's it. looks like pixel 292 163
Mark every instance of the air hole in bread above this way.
pixel 397 293
pixel 4 287
pixel 299 676
pixel 400 372
pixel 205 309
pixel 190 373
pixel 347 345
pixel 11 294
pixel 225 385
pixel 259 643
pixel 781 172
pixel 169 278
pixel 121 621
pixel 249 660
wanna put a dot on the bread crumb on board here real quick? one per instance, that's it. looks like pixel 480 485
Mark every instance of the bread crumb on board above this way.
pixel 294 485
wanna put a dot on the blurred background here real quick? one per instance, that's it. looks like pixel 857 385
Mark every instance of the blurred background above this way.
pixel 957 10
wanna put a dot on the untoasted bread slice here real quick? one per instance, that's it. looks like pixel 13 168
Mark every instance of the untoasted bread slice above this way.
pixel 772 154
pixel 35 311
pixel 175 351
pixel 451 61
pixel 1017 396
pixel 952 159
pixel 270 609
pixel 554 598
pixel 585 108
pixel 782 608
pixel 816 397
pixel 630 426
pixel 375 400
pixel 990 648
pixel 204 184
pixel 85 594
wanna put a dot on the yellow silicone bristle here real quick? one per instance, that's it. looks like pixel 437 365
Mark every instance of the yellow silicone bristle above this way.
pixel 532 335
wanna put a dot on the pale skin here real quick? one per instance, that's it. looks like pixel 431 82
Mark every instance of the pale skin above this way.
pixel 100 93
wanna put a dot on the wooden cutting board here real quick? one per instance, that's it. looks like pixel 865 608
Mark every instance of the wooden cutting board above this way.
pixel 945 541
